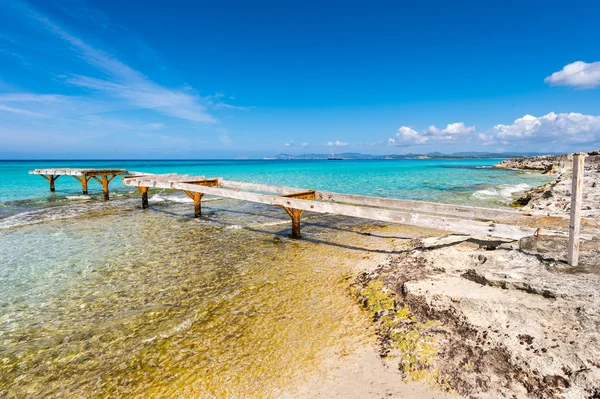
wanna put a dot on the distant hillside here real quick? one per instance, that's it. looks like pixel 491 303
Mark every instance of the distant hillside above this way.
pixel 430 155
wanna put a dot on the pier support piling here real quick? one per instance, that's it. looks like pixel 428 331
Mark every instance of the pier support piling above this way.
pixel 197 197
pixel 576 199
pixel 198 204
pixel 105 181
pixel 144 191
pixel 105 187
pixel 84 182
pixel 51 179
pixel 295 215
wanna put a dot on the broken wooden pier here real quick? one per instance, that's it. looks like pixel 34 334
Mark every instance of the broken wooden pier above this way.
pixel 479 221
pixel 102 176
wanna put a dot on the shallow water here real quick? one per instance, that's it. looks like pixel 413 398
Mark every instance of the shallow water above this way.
pixel 103 299
pixel 143 303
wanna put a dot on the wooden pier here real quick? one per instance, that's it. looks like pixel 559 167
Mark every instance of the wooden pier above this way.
pixel 478 221
pixel 102 176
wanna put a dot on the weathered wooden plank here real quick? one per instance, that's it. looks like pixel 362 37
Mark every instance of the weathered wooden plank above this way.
pixel 469 212
pixel 386 215
pixel 76 172
pixel 302 195
pixel 576 199
pixel 260 187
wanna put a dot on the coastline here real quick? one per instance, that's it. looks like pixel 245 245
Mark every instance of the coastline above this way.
pixel 438 288
pixel 494 318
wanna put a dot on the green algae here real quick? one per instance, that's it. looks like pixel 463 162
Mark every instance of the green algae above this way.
pixel 400 334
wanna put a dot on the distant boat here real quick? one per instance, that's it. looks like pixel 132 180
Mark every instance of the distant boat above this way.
pixel 332 157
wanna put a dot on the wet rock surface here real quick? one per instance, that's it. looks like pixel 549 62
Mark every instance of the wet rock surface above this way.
pixel 549 164
pixel 512 321
pixel 555 197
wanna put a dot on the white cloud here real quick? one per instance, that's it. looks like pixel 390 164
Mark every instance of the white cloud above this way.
pixel 558 127
pixel 292 143
pixel 578 74
pixel 128 84
pixel 337 143
pixel 29 97
pixel 408 136
pixel 20 111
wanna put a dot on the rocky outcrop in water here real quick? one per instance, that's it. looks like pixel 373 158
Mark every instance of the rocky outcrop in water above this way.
pixel 555 197
pixel 548 164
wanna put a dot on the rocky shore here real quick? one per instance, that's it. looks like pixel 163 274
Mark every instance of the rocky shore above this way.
pixel 555 197
pixel 489 318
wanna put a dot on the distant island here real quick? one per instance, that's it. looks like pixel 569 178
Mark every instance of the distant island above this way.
pixel 430 155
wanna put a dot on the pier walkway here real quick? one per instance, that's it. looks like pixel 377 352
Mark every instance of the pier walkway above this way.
pixel 102 176
pixel 478 221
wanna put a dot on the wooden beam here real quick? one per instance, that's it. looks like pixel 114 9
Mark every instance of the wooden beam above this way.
pixel 203 182
pixel 386 215
pixel 576 199
pixel 469 212
pixel 306 195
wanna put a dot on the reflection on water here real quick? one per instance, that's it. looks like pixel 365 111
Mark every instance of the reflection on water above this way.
pixel 123 302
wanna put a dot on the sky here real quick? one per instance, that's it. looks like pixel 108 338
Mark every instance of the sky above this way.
pixel 83 79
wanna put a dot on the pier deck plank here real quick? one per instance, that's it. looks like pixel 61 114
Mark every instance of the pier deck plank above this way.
pixel 449 218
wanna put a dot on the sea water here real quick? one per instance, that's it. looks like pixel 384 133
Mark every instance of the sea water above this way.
pixel 106 299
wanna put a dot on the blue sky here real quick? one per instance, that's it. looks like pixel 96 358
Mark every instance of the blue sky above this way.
pixel 195 79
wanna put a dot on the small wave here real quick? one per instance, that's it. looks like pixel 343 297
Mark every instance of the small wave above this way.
pixel 40 216
pixel 503 191
pixel 170 198
pixel 483 167
pixel 234 227
pixel 57 213
pixel 78 197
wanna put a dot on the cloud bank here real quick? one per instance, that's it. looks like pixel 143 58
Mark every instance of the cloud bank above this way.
pixel 408 136
pixel 559 129
pixel 578 74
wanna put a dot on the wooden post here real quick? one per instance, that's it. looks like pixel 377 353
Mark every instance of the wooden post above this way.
pixel 144 191
pixel 198 204
pixel 105 187
pixel 197 197
pixel 295 215
pixel 84 182
pixel 576 199
pixel 51 179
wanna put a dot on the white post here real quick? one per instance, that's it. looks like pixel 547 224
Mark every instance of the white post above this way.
pixel 576 198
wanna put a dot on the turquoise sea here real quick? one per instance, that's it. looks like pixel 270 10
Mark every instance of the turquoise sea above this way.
pixel 104 299
pixel 444 180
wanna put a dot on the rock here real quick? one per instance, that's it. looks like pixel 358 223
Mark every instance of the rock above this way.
pixel 515 324
pixel 558 192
